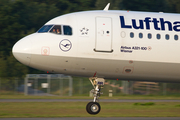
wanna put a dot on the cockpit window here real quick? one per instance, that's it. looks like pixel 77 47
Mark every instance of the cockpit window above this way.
pixel 67 30
pixel 56 29
pixel 45 28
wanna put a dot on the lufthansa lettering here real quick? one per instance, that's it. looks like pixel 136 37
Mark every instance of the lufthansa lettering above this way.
pixel 159 24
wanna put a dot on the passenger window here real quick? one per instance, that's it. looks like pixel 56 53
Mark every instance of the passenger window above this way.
pixel 158 36
pixel 67 30
pixel 149 35
pixel 131 34
pixel 167 37
pixel 45 28
pixel 176 37
pixel 140 35
pixel 56 29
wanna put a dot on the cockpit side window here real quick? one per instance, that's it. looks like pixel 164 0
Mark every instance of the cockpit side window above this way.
pixel 67 30
pixel 45 28
pixel 56 29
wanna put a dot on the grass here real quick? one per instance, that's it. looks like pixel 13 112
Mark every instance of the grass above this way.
pixel 144 97
pixel 145 104
pixel 77 109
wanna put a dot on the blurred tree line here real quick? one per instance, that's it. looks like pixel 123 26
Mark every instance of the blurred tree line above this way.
pixel 19 18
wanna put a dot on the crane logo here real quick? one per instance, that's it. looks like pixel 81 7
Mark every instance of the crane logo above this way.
pixel 65 45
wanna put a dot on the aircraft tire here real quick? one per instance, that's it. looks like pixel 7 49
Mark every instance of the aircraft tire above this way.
pixel 93 108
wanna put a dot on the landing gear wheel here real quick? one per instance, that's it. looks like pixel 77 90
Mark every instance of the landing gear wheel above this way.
pixel 93 108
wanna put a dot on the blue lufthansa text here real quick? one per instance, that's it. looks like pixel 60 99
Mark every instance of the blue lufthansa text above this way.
pixel 159 24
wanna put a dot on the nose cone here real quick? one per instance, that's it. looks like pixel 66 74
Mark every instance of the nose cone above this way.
pixel 22 51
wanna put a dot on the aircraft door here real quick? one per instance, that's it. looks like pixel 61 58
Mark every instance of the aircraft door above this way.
pixel 103 34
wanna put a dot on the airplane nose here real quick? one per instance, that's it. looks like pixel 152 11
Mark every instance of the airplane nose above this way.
pixel 22 51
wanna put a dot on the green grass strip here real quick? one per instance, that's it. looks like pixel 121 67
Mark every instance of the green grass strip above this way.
pixel 77 109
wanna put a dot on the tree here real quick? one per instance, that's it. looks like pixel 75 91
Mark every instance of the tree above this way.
pixel 146 5
pixel 174 6
pixel 20 18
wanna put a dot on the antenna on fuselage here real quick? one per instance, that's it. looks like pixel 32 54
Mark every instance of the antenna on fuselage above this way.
pixel 107 7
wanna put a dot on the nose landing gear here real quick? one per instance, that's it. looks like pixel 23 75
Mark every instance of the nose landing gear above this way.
pixel 94 107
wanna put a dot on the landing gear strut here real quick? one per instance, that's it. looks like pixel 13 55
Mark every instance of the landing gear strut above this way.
pixel 98 84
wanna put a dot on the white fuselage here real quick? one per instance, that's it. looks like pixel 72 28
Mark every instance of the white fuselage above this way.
pixel 111 44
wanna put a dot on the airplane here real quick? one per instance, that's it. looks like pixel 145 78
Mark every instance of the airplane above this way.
pixel 106 44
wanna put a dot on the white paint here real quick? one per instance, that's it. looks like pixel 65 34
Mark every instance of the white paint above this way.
pixel 96 52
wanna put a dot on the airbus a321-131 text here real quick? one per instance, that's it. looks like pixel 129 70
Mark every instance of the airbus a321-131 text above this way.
pixel 106 44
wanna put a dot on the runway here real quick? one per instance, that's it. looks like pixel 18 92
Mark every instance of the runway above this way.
pixel 97 118
pixel 81 100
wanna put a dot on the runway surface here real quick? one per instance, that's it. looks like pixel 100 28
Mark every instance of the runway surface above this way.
pixel 81 100
pixel 96 118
